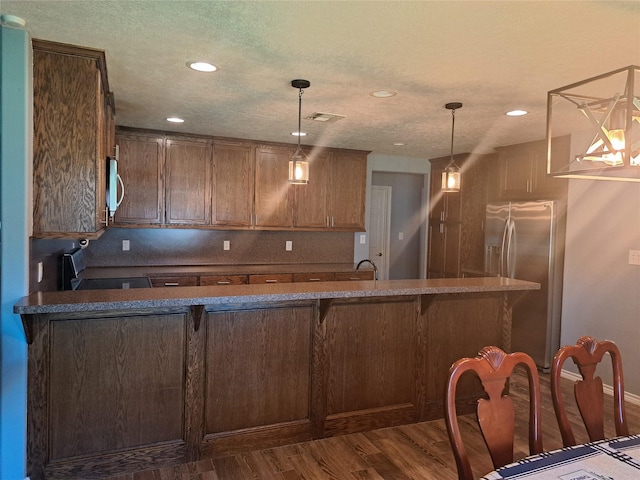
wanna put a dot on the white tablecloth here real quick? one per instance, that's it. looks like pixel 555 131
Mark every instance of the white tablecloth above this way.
pixel 613 459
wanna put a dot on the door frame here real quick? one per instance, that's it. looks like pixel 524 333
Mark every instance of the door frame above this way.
pixel 384 273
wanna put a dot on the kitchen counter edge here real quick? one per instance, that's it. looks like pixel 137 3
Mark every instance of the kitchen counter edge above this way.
pixel 148 298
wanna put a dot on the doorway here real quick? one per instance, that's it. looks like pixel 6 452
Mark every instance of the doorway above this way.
pixel 406 232
pixel 379 228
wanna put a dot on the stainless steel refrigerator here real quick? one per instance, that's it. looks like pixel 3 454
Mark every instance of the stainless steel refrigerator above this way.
pixel 525 240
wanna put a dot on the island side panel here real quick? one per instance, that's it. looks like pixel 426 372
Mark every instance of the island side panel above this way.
pixel 370 360
pixel 455 326
pixel 257 374
pixel 113 384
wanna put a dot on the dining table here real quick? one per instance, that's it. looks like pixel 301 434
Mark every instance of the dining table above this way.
pixel 610 459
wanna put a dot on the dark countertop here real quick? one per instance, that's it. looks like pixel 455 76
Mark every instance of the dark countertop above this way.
pixel 187 270
pixel 105 300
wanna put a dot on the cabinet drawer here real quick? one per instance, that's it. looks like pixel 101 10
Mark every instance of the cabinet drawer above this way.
pixel 314 277
pixel 208 280
pixel 364 275
pixel 276 278
pixel 174 281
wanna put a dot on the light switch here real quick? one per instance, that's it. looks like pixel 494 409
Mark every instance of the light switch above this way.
pixel 226 245
pixel 288 246
pixel 363 239
pixel 125 245
pixel 401 236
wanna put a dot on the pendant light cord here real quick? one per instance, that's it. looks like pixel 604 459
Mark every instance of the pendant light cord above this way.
pixel 453 126
pixel 299 118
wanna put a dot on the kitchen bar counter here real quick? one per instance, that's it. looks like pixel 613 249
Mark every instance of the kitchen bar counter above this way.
pixel 126 380
pixel 106 300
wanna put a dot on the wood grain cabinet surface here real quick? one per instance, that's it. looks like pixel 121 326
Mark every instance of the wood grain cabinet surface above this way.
pixel 73 120
pixel 141 167
pixel 335 196
pixel 232 185
pixel 456 235
pixel 273 197
pixel 522 171
pixel 177 281
pixel 188 181
pixel 209 280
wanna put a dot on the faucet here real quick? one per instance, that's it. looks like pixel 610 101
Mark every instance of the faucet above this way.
pixel 375 269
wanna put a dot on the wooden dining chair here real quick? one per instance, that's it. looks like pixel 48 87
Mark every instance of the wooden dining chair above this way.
pixel 496 414
pixel 587 353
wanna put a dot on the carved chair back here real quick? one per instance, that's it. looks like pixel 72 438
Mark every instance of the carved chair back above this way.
pixel 496 413
pixel 587 353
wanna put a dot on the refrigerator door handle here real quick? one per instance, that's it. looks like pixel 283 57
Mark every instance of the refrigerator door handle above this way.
pixel 503 249
pixel 511 248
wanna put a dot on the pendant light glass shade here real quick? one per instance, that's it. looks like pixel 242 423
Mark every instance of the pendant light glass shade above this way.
pixel 451 175
pixel 298 170
pixel 299 165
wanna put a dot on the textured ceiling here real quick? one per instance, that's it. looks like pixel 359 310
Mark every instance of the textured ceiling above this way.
pixel 491 56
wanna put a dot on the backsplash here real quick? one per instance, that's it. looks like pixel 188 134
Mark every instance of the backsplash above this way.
pixel 149 246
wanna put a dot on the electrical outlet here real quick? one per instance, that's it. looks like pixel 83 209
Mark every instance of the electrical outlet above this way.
pixel 226 245
pixel 288 246
pixel 401 236
pixel 40 272
pixel 126 245
pixel 363 239
pixel 634 257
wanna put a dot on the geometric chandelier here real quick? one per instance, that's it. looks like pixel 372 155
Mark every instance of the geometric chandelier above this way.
pixel 602 117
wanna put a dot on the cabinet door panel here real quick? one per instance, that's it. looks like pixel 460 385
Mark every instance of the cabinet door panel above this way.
pixel 516 170
pixel 452 250
pixel 349 191
pixel 122 377
pixel 232 185
pixel 140 166
pixel 66 143
pixel 312 200
pixel 246 384
pixel 188 166
pixel 273 197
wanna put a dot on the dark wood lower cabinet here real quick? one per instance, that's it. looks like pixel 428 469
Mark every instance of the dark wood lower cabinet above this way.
pixel 139 389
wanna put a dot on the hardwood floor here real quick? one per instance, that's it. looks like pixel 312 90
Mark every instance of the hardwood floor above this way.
pixel 411 452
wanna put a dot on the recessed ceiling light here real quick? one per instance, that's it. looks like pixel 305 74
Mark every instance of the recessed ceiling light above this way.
pixel 383 93
pixel 516 113
pixel 175 120
pixel 299 134
pixel 399 144
pixel 202 67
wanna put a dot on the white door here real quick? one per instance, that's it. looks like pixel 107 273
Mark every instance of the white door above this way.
pixel 380 229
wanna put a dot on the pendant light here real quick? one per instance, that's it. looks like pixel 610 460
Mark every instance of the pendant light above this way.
pixel 599 117
pixel 451 174
pixel 299 165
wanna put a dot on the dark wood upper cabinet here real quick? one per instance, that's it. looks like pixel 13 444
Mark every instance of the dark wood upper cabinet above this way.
pixel 188 182
pixel 233 185
pixel 521 171
pixel 273 194
pixel 72 121
pixel 335 196
pixel 311 204
pixel 225 183
pixel 141 165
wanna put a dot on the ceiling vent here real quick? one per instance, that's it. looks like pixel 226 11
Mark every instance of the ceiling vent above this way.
pixel 325 117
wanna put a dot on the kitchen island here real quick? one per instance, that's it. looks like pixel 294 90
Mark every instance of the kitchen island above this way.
pixel 125 380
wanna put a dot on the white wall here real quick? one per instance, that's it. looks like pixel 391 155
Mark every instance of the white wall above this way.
pixel 386 163
pixel 601 290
